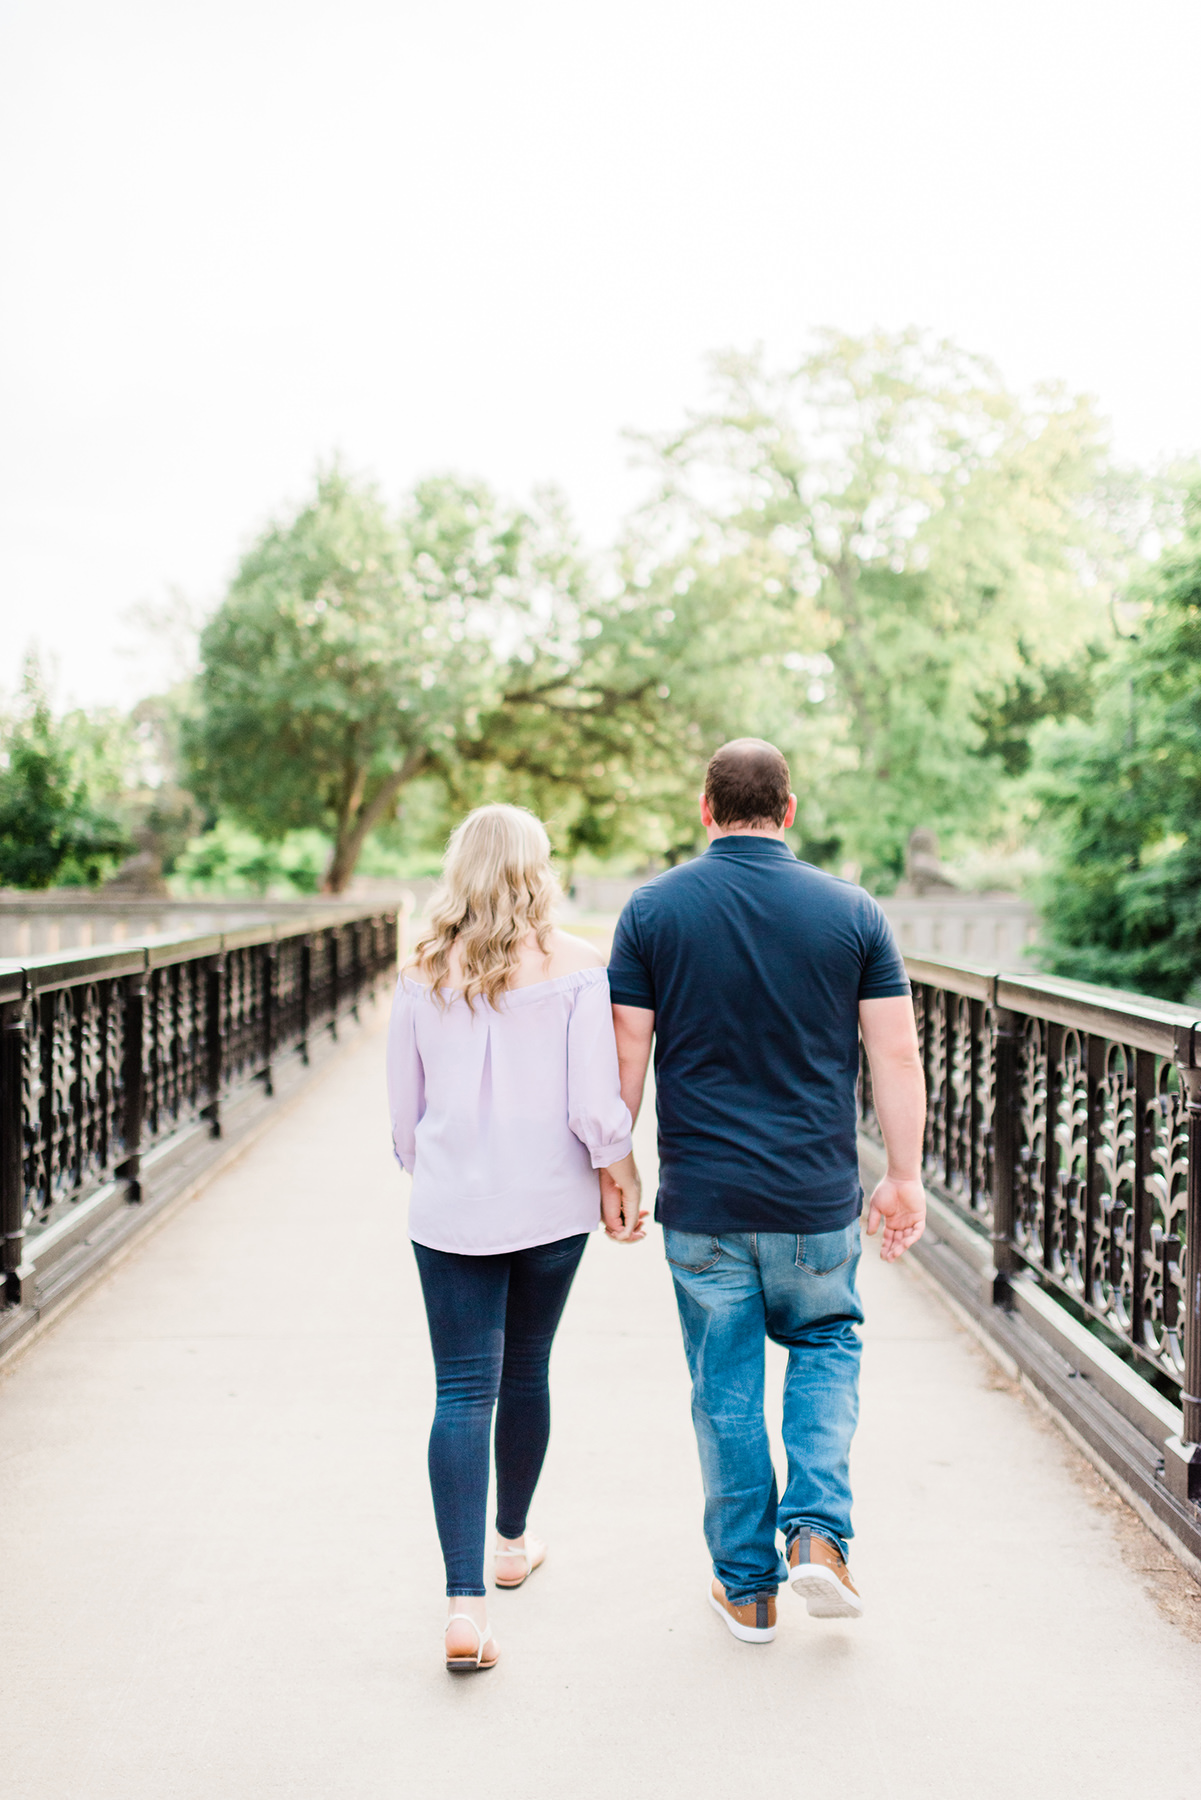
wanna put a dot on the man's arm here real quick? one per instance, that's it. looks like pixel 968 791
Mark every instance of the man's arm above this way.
pixel 899 1094
pixel 634 1028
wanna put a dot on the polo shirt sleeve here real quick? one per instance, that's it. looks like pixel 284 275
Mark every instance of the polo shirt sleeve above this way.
pixel 630 980
pixel 883 975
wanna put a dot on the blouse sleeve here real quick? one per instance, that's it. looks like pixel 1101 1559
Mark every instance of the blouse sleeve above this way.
pixel 406 1078
pixel 596 1111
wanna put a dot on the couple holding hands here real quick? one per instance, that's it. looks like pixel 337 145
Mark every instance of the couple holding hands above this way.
pixel 516 1065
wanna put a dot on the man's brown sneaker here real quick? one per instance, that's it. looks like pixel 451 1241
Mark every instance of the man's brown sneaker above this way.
pixel 754 1622
pixel 818 1573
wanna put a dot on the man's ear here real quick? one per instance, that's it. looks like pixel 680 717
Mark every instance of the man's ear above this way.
pixel 790 815
pixel 706 815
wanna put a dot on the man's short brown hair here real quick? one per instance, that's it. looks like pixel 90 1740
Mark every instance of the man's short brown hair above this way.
pixel 747 783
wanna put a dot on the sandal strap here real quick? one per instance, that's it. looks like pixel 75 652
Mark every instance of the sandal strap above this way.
pixel 485 1637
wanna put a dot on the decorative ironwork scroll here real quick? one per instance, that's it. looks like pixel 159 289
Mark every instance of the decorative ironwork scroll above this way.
pixel 1164 1248
pixel 1100 1156
pixel 174 1047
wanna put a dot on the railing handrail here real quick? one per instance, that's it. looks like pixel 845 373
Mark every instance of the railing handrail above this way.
pixel 25 975
pixel 1146 1023
pixel 103 900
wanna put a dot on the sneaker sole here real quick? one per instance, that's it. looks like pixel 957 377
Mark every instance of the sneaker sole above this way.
pixel 823 1593
pixel 746 1634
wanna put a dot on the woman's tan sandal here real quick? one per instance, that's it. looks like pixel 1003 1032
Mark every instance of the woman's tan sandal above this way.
pixel 533 1560
pixel 469 1665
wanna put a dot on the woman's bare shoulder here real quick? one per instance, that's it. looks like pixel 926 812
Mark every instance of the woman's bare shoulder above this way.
pixel 567 954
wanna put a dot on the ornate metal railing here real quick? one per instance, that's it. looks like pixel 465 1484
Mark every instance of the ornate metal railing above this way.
pixel 107 1054
pixel 1064 1122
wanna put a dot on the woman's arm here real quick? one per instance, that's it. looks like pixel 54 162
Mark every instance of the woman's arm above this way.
pixel 406 1078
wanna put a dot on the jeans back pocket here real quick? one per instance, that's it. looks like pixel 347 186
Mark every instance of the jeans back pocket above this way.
pixel 694 1251
pixel 821 1252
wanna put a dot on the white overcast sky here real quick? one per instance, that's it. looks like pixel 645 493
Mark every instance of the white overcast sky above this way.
pixel 487 236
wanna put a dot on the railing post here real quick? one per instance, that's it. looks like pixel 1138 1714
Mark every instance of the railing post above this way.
pixel 133 1082
pixel 1182 1455
pixel 214 1040
pixel 16 1273
pixel 1007 1031
pixel 268 1046
pixel 926 1038
pixel 1053 1037
pixel 306 989
pixel 356 968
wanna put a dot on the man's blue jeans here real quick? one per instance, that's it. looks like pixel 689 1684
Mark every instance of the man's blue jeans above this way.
pixel 733 1292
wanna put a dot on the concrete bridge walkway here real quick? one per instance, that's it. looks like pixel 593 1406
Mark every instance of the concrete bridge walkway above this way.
pixel 221 1579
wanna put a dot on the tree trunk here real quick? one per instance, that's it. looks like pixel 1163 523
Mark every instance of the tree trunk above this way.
pixel 354 830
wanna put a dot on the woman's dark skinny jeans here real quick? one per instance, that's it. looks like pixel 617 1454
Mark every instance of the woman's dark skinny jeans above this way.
pixel 492 1321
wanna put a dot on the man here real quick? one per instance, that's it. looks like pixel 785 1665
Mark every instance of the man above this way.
pixel 754 974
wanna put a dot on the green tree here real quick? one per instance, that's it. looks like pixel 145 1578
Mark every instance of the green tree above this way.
pixel 1122 796
pixel 52 829
pixel 229 859
pixel 606 730
pixel 357 651
pixel 942 558
pixel 879 559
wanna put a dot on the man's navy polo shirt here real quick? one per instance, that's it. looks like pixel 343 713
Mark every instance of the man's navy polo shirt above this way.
pixel 754 965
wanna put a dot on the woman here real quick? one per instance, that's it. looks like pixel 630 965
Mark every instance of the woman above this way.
pixel 502 1079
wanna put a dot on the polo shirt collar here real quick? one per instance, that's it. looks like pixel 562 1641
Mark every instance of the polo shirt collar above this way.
pixel 744 844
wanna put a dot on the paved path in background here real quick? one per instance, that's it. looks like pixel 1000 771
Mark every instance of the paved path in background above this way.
pixel 221 1579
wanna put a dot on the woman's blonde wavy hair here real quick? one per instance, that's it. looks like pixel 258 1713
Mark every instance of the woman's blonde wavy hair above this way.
pixel 497 886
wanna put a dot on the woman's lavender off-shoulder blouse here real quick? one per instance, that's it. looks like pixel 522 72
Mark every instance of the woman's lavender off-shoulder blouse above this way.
pixel 502 1115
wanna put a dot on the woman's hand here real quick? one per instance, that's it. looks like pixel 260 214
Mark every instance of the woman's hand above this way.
pixel 621 1202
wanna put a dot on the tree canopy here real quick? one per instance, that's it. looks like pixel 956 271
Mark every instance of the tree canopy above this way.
pixel 879 558
pixel 607 726
pixel 357 650
pixel 940 556
pixel 1122 795
pixel 53 827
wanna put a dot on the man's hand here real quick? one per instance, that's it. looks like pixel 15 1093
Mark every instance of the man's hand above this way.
pixel 902 1207
pixel 899 1096
pixel 621 1202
